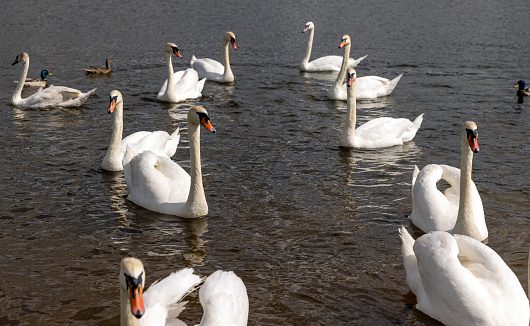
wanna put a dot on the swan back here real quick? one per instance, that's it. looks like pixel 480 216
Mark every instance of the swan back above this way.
pixel 224 300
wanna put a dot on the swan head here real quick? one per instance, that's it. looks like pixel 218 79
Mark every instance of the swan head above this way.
pixel 470 134
pixel 44 74
pixel 345 41
pixel 351 76
pixel 172 48
pixel 199 116
pixel 521 84
pixel 114 98
pixel 309 26
pixel 132 281
pixel 230 37
pixel 22 57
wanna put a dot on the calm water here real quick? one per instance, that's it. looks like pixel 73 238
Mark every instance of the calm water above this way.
pixel 310 228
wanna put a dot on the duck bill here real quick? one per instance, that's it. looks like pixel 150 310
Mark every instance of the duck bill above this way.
pixel 137 302
pixel 206 123
pixel 473 143
pixel 233 42
pixel 111 107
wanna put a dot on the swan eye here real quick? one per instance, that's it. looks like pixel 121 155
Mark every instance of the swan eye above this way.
pixel 133 282
pixel 113 98
pixel 473 133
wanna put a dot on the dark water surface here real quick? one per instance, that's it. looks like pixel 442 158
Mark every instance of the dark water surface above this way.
pixel 310 228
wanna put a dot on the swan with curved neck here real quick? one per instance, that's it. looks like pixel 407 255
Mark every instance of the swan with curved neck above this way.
pixel 212 69
pixel 53 96
pixel 459 280
pixel 160 142
pixel 161 185
pixel 368 87
pixel 327 63
pixel 377 133
pixel 181 85
pixel 160 302
pixel 459 210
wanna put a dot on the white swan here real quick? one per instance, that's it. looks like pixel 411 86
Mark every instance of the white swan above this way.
pixel 183 85
pixel 368 87
pixel 458 210
pixel 224 300
pixel 160 304
pixel 376 133
pixel 53 96
pixel 460 281
pixel 327 63
pixel 161 185
pixel 214 70
pixel 160 142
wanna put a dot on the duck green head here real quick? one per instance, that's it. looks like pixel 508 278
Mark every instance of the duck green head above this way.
pixel 44 74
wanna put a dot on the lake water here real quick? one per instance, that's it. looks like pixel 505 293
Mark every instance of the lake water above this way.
pixel 309 227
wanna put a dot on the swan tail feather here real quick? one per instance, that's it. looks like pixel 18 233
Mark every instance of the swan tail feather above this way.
pixel 410 262
pixel 127 157
pixel 200 85
pixel 393 83
pixel 417 122
pixel 193 59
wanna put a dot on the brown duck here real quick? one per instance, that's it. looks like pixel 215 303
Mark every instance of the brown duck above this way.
pixel 100 70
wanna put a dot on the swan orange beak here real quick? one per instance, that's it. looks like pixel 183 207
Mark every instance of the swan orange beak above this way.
pixel 305 29
pixel 233 42
pixel 350 79
pixel 177 52
pixel 112 105
pixel 206 123
pixel 342 43
pixel 473 143
pixel 137 302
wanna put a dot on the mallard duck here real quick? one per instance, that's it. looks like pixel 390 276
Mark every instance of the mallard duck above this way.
pixel 34 82
pixel 522 91
pixel 100 70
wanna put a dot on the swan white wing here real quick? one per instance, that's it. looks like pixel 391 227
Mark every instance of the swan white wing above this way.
pixel 187 86
pixel 381 132
pixel 368 87
pixel 177 76
pixel 224 300
pixel 154 181
pixel 462 280
pixel 206 68
pixel 159 142
pixel 59 96
pixel 162 299
pixel 330 63
pixel 433 210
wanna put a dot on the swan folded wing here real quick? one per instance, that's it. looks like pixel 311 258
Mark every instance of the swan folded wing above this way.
pixel 133 139
pixel 163 298
pixel 207 66
pixel 382 132
pixel 327 63
pixel 187 85
pixel 411 264
pixel 175 181
pixel 176 77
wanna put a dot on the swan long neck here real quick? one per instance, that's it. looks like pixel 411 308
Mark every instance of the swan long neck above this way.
pixel 113 157
pixel 348 131
pixel 170 72
pixel 21 79
pixel 226 60
pixel 343 67
pixel 309 47
pixel 196 204
pixel 465 221
pixel 126 317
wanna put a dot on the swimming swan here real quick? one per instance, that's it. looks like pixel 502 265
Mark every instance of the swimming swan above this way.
pixel 376 133
pixel 460 281
pixel 214 70
pixel 160 142
pixel 368 87
pixel 327 63
pixel 161 185
pixel 183 84
pixel 158 305
pixel 53 96
pixel 459 210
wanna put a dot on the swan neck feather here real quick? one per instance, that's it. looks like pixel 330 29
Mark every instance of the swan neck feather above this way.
pixel 343 67
pixel 465 221
pixel 348 131
pixel 170 74
pixel 113 158
pixel 22 78
pixel 126 317
pixel 307 55
pixel 226 61
pixel 196 203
